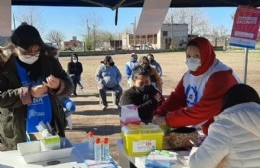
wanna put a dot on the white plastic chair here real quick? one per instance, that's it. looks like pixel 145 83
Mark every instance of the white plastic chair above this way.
pixel 69 122
pixel 113 94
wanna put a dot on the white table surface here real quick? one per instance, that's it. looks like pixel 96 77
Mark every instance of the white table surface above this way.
pixel 139 162
pixel 12 159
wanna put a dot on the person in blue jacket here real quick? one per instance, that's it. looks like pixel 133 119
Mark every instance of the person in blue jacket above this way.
pixel 130 66
pixel 108 77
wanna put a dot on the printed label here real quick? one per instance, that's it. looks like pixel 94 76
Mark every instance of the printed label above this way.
pixel 144 145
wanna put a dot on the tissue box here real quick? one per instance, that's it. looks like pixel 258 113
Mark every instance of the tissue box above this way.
pixel 140 140
pixel 31 151
pixel 129 115
pixel 50 143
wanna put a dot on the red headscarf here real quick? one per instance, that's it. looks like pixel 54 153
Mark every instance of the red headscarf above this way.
pixel 207 54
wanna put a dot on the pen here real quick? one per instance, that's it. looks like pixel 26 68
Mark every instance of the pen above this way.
pixel 193 144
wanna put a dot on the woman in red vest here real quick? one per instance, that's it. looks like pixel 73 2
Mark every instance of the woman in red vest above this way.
pixel 198 96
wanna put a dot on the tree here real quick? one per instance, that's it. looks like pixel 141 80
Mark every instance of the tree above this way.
pixel 55 36
pixel 195 18
pixel 94 37
pixel 219 33
pixel 32 16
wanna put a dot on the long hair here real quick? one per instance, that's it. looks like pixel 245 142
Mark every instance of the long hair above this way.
pixel 6 51
pixel 74 55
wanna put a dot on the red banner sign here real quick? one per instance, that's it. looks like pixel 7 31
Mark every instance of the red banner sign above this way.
pixel 245 27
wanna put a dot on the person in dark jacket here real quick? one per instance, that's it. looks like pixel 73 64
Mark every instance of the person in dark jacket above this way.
pixel 142 94
pixel 74 70
pixel 108 77
pixel 68 105
pixel 30 83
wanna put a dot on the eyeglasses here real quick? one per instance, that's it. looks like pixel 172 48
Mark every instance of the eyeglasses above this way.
pixel 26 52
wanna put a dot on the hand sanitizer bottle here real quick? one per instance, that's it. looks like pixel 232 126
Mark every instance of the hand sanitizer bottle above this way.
pixel 91 141
pixel 97 150
pixel 105 150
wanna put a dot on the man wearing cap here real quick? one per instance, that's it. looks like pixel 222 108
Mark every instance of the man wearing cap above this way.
pixel 130 66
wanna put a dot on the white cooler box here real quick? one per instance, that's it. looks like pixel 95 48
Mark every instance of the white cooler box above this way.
pixel 31 151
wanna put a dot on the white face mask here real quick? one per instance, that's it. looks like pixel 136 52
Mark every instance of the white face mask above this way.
pixel 75 61
pixel 28 59
pixel 193 63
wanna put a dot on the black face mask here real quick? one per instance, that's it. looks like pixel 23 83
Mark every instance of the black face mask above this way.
pixel 151 60
pixel 143 89
pixel 146 66
pixel 111 63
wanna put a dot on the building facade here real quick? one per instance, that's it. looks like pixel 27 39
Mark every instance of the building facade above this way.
pixel 73 44
pixel 170 36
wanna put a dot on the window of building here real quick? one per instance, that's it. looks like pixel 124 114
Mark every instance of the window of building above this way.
pixel 165 33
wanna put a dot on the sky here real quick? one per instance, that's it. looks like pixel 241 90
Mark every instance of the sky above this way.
pixel 70 20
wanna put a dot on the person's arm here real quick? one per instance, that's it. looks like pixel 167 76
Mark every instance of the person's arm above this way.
pixel 126 98
pixel 158 79
pixel 14 98
pixel 214 148
pixel 209 105
pixel 155 98
pixel 150 105
pixel 66 86
pixel 119 76
pixel 98 75
pixel 159 69
pixel 69 68
pixel 176 100
pixel 128 71
pixel 80 70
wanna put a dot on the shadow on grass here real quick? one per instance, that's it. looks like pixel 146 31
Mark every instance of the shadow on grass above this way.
pixel 85 95
pixel 82 103
pixel 112 111
pixel 98 130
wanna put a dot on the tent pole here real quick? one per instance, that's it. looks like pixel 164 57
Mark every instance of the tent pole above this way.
pixel 245 65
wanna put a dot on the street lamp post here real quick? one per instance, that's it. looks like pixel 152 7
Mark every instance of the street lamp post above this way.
pixel 172 32
pixel 94 37
pixel 134 32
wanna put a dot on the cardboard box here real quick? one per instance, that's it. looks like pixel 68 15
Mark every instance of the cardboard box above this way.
pixel 50 143
pixel 31 151
pixel 140 140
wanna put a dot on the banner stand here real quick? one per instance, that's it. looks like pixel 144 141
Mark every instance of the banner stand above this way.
pixel 245 65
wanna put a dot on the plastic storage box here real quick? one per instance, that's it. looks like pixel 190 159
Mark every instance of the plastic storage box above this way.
pixel 31 151
pixel 129 115
pixel 140 140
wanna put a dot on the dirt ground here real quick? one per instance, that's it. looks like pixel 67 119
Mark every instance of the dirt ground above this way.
pixel 89 114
